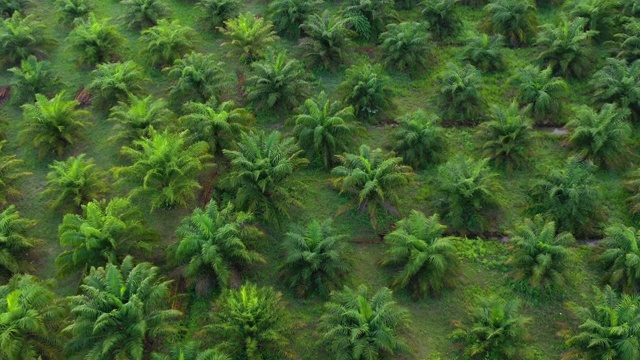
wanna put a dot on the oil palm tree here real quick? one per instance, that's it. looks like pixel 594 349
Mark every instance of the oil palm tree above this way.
pixel 460 93
pixel 627 42
pixel 369 18
pixel 190 350
pixel 96 41
pixel 540 90
pixel 33 77
pixel 328 39
pixel 213 13
pixel 74 182
pixel 315 259
pixel 14 240
pixel 406 46
pixel 419 140
pixel 135 118
pixel 358 325
pixel 429 261
pixel 11 171
pixel 72 11
pixel 602 16
pixel 166 42
pixel 141 14
pixel 21 37
pixel 248 37
pixel 485 52
pixel 622 258
pixel 516 20
pixel 443 18
pixel 115 82
pixel 288 15
pixel 199 78
pixel 368 90
pixel 9 7
pixel 619 82
pixel 632 185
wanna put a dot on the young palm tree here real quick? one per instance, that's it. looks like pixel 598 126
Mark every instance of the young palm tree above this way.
pixel 165 169
pixel 166 42
pixel 135 119
pixel 406 46
pixel 190 350
pixel 485 52
pixel 116 82
pixel 9 7
pixel 324 128
pixel 619 82
pixel 213 13
pixel 369 18
pixel 627 41
pixel 609 327
pixel 327 41
pixel 541 91
pixel 602 16
pixel 261 166
pixel 106 232
pixel 252 323
pixel 540 255
pixel 11 171
pixel 141 14
pixel 316 261
pixel 121 312
pixel 248 37
pixel 96 41
pixel 277 83
pixel 516 20
pixel 506 137
pixel 601 137
pixel 33 77
pixel 74 182
pixel 622 258
pixel 497 330
pixel 52 125
pixel 289 15
pixel 372 178
pixel 632 185
pixel 359 326
pixel 72 11
pixel 14 241
pixel 32 317
pixel 460 97
pixel 566 48
pixel 213 245
pixel 443 18
pixel 21 37
pixel 199 78
pixel 467 194
pixel 368 90
pixel 419 140
pixel 429 261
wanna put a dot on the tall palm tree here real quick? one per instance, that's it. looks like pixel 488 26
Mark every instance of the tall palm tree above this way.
pixel 372 178
pixel 289 15
pixel 419 140
pixel 600 136
pixel 21 37
pixel 213 13
pixel 14 241
pixel 52 125
pixel 96 41
pixel 362 326
pixel 369 18
pixel 105 233
pixel 460 96
pixel 368 90
pixel 516 20
pixel 316 261
pixel 622 258
pixel 443 18
pixel 429 260
pixel 540 90
pixel 74 182
pixel 141 14
pixel 619 82
pixel 72 11
pixel 540 255
pixel 248 37
pixel 115 82
pixel 406 46
pixel 485 52
pixel 11 171
pixel 190 350
pixel 328 39
pixel 199 78
pixel 166 42
pixel 324 128
pixel 120 313
pixel 31 317
pixel 33 77
pixel 213 245
pixel 135 119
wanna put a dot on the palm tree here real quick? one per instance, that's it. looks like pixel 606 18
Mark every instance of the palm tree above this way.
pixel 141 14
pixel 460 97
pixel 213 245
pixel 96 41
pixel 540 255
pixel 115 82
pixel 566 48
pixel 516 20
pixel 609 327
pixel 368 90
pixel 10 174
pixel 52 125
pixel 419 140
pixel 213 13
pixel 74 181
pixel 31 317
pixel 72 11
pixel 277 83
pixel 165 169
pixel 372 178
pixel 632 185
pixel 166 42
pixel 14 241
pixel 9 7
pixel 602 16
pixel 190 350
pixel 289 15
pixel 199 78
pixel 261 166
pixel 248 37
pixel 622 258
pixel 219 126
pixel 568 197
pixel 121 312
pixel 324 128
pixel 369 18
pixel 541 91
pixel 619 82
pixel 497 330
pixel 21 37
pixel 627 42
pixel 443 18
pixel 429 261
pixel 406 46
pixel 316 260
pixel 328 39
pixel 467 194
pixel 356 325
pixel 485 52
pixel 135 118
pixel 105 233
pixel 600 136
pixel 252 323
pixel 33 77
pixel 506 137
pixel 631 7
